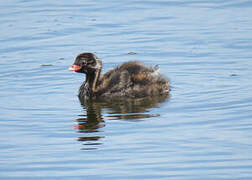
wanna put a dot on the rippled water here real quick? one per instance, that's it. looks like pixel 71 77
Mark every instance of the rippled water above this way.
pixel 201 131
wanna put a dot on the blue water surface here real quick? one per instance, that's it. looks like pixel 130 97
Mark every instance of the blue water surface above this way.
pixel 202 131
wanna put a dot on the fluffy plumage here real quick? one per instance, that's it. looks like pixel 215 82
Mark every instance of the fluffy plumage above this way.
pixel 131 79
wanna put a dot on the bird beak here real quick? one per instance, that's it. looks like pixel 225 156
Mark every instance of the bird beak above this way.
pixel 75 68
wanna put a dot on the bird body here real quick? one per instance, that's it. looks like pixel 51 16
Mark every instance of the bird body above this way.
pixel 131 79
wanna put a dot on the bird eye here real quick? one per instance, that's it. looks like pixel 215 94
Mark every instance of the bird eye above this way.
pixel 84 63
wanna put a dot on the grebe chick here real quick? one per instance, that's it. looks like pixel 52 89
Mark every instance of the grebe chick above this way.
pixel 131 79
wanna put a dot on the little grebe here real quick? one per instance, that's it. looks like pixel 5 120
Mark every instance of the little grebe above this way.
pixel 131 79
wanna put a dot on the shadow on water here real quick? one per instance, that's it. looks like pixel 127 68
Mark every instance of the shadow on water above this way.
pixel 116 109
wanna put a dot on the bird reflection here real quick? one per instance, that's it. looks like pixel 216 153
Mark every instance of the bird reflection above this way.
pixel 96 110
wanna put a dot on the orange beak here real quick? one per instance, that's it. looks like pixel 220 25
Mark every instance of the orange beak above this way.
pixel 74 68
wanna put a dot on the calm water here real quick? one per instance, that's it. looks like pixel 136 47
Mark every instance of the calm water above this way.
pixel 202 131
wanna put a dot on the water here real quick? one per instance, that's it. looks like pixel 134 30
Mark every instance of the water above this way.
pixel 202 131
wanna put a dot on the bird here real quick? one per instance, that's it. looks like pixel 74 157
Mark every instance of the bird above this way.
pixel 132 79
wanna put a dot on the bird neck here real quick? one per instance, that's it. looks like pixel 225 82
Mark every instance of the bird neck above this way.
pixel 92 81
